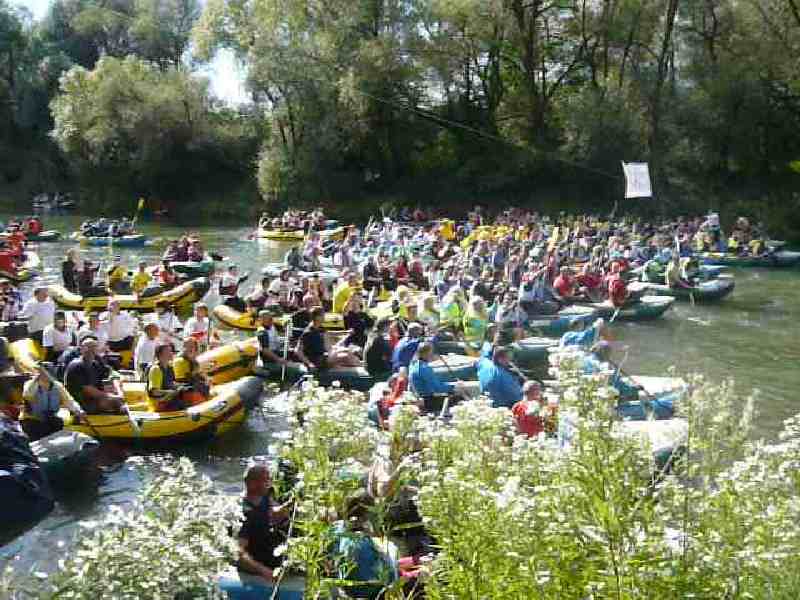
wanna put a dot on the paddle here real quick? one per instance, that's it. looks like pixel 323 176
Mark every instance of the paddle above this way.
pixel 287 335
pixel 125 408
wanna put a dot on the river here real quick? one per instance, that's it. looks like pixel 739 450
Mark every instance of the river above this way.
pixel 750 336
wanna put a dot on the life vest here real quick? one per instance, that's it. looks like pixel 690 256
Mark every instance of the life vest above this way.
pixel 474 328
pixel 451 313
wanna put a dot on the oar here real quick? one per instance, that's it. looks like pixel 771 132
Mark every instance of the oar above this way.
pixel 126 409
pixel 287 336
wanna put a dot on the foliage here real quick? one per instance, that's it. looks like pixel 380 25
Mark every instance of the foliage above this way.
pixel 174 541
pixel 130 124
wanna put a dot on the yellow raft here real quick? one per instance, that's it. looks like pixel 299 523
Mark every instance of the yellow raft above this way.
pixel 222 365
pixel 247 322
pixel 298 235
pixel 225 409
pixel 182 295
pixel 27 354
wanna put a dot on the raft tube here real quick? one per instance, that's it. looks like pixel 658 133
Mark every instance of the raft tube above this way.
pixel 234 319
pixel 705 291
pixel 781 258
pixel 224 410
pixel 136 240
pixel 51 235
pixel 527 352
pixel 450 367
pixel 558 324
pixel 183 295
pixel 644 309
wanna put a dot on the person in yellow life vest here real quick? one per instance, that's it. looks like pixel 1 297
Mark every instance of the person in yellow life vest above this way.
pixel 141 279
pixel 162 391
pixel 756 246
pixel 343 292
pixel 447 230
pixel 116 277
pixel 699 242
pixel 187 372
pixel 451 309
pixel 475 322
pixel 427 313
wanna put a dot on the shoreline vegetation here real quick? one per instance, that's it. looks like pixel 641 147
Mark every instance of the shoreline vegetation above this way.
pixel 415 102
pixel 512 517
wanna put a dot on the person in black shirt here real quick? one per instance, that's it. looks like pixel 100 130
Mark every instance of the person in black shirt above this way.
pixel 357 321
pixel 377 352
pixel 262 530
pixel 84 381
pixel 69 271
pixel 312 350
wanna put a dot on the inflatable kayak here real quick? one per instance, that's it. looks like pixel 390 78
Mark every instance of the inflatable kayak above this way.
pixel 182 295
pixel 51 235
pixel 65 456
pixel 136 240
pixel 705 291
pixel 26 271
pixel 559 323
pixel 229 362
pixel 643 309
pixel 234 319
pixel 781 258
pixel 448 367
pixel 525 352
pixel 27 354
pixel 298 235
pixel 192 269
pixel 223 411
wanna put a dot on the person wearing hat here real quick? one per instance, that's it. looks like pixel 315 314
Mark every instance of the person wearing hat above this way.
pixel 39 312
pixel 116 277
pixel 497 380
pixel 141 279
pixel 42 397
pixel 269 345
pixel 56 337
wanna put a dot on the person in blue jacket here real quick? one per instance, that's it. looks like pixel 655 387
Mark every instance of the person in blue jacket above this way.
pixel 424 380
pixel 406 347
pixel 497 380
pixel 581 336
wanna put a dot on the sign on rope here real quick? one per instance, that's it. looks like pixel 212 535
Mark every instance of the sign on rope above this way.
pixel 637 180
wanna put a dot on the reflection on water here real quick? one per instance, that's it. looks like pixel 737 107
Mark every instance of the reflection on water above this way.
pixel 751 336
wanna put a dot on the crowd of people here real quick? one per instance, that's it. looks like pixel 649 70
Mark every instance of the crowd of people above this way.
pixel 104 227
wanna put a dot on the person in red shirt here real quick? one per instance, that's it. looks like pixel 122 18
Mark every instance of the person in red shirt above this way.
pixel 616 286
pixel 529 413
pixel 564 285
pixel 589 280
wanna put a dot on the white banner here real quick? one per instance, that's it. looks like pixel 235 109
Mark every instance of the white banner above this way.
pixel 637 180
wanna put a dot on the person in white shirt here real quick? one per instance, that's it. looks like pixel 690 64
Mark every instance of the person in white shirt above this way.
pixel 145 352
pixel 198 326
pixel 39 312
pixel 282 287
pixel 96 329
pixel 169 324
pixel 57 337
pixel 121 328
pixel 229 288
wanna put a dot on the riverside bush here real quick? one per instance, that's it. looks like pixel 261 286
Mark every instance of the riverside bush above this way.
pixel 579 517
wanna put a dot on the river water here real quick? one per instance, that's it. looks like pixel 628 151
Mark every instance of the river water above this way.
pixel 750 336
